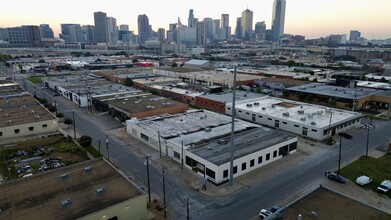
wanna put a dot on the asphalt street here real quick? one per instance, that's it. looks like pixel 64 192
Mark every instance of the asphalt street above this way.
pixel 244 204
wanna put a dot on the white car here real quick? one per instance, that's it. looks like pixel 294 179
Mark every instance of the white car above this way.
pixel 264 213
pixel 385 186
pixel 363 180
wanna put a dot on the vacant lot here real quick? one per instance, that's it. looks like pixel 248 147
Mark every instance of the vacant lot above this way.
pixel 325 204
pixel 377 169
pixel 39 155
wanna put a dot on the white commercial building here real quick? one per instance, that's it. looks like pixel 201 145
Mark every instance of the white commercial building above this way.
pixel 312 121
pixel 200 140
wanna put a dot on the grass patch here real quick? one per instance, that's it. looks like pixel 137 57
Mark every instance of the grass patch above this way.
pixel 93 151
pixel 375 117
pixel 377 169
pixel 34 79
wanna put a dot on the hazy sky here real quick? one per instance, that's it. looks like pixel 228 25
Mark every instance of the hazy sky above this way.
pixel 312 18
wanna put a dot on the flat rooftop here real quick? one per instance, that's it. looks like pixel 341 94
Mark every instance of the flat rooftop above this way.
pixel 9 87
pixel 142 102
pixel 247 142
pixel 21 109
pixel 333 91
pixel 29 198
pixel 227 96
pixel 104 87
pixel 190 122
pixel 331 205
pixel 156 80
pixel 74 80
pixel 374 85
pixel 181 69
pixel 297 112
pixel 176 90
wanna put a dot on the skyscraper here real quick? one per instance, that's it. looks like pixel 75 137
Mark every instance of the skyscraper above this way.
pixel 161 35
pixel 260 31
pixel 226 29
pixel 354 35
pixel 278 19
pixel 238 30
pixel 124 27
pixel 200 33
pixel 247 24
pixel 100 19
pixel 208 23
pixel 25 36
pixel 46 31
pixel 216 28
pixel 191 22
pixel 112 30
pixel 72 33
pixel 143 27
pixel 89 33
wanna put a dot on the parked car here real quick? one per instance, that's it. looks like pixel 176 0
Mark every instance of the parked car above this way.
pixel 264 213
pixel 385 186
pixel 275 208
pixel 335 177
pixel 363 180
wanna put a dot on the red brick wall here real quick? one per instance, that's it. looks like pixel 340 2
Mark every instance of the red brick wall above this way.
pixel 209 104
pixel 169 110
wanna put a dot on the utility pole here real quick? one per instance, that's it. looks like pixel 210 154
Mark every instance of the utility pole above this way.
pixel 164 196
pixel 182 157
pixel 231 164
pixel 187 209
pixel 160 147
pixel 74 124
pixel 99 147
pixel 366 153
pixel 107 147
pixel 55 105
pixel 149 185
pixel 331 116
pixel 339 156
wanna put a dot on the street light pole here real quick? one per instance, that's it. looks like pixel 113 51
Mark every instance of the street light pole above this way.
pixel 74 125
pixel 149 185
pixel 231 164
pixel 366 153
pixel 107 147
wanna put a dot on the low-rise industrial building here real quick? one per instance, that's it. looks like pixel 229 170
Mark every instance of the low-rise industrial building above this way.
pixel 136 104
pixel 21 115
pixel 88 190
pixel 200 140
pixel 308 120
pixel 175 93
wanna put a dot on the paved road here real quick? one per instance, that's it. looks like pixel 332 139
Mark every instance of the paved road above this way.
pixel 242 205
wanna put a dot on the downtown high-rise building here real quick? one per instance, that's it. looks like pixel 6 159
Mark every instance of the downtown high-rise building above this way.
pixel 247 24
pixel 238 29
pixel 89 33
pixel 225 28
pixel 46 31
pixel 144 29
pixel 100 20
pixel 112 30
pixel 24 36
pixel 72 33
pixel 354 35
pixel 161 35
pixel 278 20
pixel 191 20
pixel 201 33
pixel 260 31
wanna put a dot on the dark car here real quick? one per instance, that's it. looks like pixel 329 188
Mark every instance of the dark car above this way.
pixel 335 177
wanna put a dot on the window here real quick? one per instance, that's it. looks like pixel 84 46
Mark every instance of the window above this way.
pixel 324 132
pixel 240 110
pixel 235 169
pixel 1 133
pixel 247 113
pixel 225 174
pixel 244 166
pixel 252 163
pixel 313 130
pixel 259 116
pixel 277 124
pixel 274 154
pixel 44 125
pixel 16 131
pixel 267 156
pixel 259 159
pixel 296 126
pixel 177 155
pixel 284 122
pixel 31 128
pixel 304 131
pixel 210 173
pixel 145 137
pixel 269 119
pixel 293 146
pixel 229 108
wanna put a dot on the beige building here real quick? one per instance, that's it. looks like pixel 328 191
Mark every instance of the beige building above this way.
pixel 21 115
pixel 88 190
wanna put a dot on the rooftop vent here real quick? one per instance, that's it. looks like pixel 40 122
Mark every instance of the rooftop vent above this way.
pixel 273 106
pixel 64 176
pixel 6 115
pixel 302 119
pixel 221 141
pixel 37 116
pixel 88 169
pixel 9 121
pixel 286 114
pixel 203 117
pixel 101 191
pixel 249 105
pixel 208 129
pixel 263 108
pixel 256 103
pixel 24 106
pixel 300 111
pixel 313 123
pixel 32 111
pixel 66 203
pixel 137 102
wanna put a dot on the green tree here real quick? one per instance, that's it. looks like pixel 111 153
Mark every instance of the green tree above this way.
pixel 135 60
pixel 85 141
pixel 285 93
pixel 315 80
pixel 174 65
pixel 309 98
pixel 68 121
pixel 60 115
pixel 41 61
pixel 291 63
pixel 52 108
pixel 302 96
pixel 363 78
pixel 128 82
pixel 258 89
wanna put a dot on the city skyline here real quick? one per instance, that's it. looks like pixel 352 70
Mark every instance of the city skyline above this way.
pixel 304 17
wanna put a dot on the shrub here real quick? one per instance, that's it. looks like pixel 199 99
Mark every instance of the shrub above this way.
pixel 85 140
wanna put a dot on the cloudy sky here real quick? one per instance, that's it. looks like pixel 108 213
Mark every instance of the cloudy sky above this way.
pixel 312 18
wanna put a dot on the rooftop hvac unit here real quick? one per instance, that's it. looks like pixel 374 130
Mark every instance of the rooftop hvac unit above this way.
pixel 249 105
pixel 273 106
pixel 302 119
pixel 286 114
pixel 32 111
pixel 301 111
pixel 9 121
pixel 313 123
pixel 6 115
pixel 203 117
pixel 263 108
pixel 208 129
pixel 221 141
pixel 256 103
pixel 37 116
pixel 101 191
pixel 66 203
pixel 24 106
pixel 88 169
